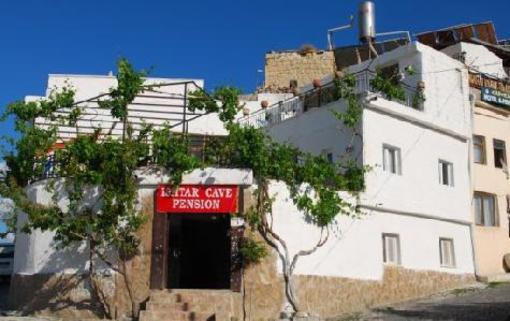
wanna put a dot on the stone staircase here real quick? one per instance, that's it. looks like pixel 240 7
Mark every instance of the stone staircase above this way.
pixel 191 305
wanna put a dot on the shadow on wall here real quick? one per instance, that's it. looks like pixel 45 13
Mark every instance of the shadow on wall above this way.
pixel 67 295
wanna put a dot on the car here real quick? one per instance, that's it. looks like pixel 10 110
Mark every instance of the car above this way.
pixel 6 260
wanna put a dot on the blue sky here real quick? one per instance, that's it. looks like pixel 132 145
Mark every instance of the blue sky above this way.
pixel 221 41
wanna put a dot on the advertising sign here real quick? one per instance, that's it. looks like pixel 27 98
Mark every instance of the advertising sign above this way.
pixel 197 199
pixel 495 96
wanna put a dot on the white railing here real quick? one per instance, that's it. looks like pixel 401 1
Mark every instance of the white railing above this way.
pixel 295 106
pixel 274 114
pixel 363 86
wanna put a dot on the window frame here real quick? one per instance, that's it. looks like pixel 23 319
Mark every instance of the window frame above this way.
pixel 390 71
pixel 397 152
pixel 442 262
pixel 494 142
pixel 483 149
pixel 482 196
pixel 385 248
pixel 328 155
pixel 449 171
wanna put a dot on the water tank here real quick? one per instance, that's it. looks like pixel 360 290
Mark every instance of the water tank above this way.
pixel 366 18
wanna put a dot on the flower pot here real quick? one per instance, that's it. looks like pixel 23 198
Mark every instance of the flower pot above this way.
pixel 316 83
pixel 264 104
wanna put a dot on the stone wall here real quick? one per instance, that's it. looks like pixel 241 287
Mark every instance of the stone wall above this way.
pixel 333 296
pixel 68 296
pixel 138 269
pixel 282 67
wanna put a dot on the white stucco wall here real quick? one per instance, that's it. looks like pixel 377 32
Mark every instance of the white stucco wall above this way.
pixel 414 205
pixel 355 248
pixel 478 58
pixel 318 131
pixel 446 86
pixel 156 108
pixel 418 188
pixel 36 253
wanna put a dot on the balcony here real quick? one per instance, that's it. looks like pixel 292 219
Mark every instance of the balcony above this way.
pixel 364 86
pixel 319 97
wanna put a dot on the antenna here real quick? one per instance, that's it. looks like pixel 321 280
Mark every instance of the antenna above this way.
pixel 330 32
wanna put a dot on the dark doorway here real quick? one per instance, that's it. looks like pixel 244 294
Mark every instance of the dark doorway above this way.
pixel 199 251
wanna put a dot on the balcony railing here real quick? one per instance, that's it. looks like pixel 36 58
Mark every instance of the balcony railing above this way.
pixel 197 145
pixel 318 97
pixel 363 85
pixel 290 108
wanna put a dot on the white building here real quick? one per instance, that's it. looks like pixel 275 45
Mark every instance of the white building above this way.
pixel 417 198
pixel 158 106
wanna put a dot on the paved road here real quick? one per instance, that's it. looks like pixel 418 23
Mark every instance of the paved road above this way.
pixel 478 304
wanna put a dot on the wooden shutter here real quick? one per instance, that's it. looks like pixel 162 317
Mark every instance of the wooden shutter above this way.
pixel 159 250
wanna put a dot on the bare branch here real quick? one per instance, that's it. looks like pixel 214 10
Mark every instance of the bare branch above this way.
pixel 322 240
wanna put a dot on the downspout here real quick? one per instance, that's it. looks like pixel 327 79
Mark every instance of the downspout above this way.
pixel 471 181
pixel 372 49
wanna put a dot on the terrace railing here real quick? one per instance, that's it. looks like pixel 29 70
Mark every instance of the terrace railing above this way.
pixel 317 97
pixel 291 107
pixel 363 85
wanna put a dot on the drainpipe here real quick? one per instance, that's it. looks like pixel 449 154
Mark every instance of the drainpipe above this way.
pixel 372 49
pixel 471 183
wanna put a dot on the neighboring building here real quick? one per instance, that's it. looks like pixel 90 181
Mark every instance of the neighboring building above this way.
pixel 477 47
pixel 301 66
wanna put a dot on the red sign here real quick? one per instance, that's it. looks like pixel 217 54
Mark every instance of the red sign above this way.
pixel 197 199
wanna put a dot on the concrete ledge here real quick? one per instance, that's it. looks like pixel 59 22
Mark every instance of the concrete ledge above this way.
pixel 494 278
pixel 207 176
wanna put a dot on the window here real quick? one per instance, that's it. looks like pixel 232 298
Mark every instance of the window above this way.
pixel 499 153
pixel 391 249
pixel 391 73
pixel 326 153
pixel 445 173
pixel 485 209
pixel 479 149
pixel 446 252
pixel 391 160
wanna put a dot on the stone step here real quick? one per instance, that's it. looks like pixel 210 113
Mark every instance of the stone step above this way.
pixel 188 305
pixel 168 306
pixel 190 296
pixel 160 315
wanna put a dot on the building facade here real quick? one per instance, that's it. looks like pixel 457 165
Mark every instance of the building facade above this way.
pixel 491 189
pixel 415 236
pixel 417 201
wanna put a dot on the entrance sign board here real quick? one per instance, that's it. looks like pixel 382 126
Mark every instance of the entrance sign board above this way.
pixel 495 96
pixel 197 199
